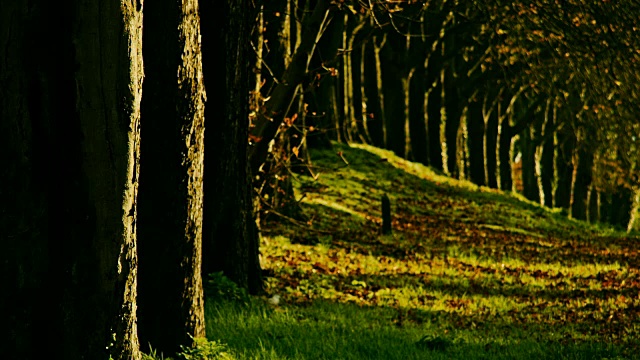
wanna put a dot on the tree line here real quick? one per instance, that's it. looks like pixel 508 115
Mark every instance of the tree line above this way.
pixel 535 97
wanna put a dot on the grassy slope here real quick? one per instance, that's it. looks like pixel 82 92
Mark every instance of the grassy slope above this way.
pixel 471 271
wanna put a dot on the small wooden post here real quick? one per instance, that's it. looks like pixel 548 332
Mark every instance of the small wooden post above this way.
pixel 386 215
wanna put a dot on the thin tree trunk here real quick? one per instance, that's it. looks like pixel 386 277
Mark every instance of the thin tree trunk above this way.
pixel 171 192
pixel 69 140
pixel 504 153
pixel 563 161
pixel 593 199
pixel 491 146
pixel 529 179
pixel 451 122
pixel 544 156
pixel 475 140
pixel 434 107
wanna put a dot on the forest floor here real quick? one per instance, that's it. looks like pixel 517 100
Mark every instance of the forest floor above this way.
pixel 468 272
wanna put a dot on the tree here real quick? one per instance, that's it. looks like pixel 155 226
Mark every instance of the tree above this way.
pixel 70 88
pixel 231 239
pixel 171 179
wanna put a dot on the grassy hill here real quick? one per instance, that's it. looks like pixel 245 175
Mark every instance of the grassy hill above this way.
pixel 468 272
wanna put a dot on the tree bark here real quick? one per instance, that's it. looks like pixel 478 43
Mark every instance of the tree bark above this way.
pixel 70 87
pixel 231 239
pixel 171 192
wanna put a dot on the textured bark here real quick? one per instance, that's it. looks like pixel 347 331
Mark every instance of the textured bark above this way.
pixel 231 239
pixel 70 86
pixel 171 188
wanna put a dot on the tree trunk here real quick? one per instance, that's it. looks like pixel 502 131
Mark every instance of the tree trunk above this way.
pixel 491 147
pixel 621 204
pixel 475 140
pixel 544 157
pixel 593 199
pixel 170 223
pixel 453 110
pixel 231 239
pixel 434 107
pixel 529 179
pixel 563 161
pixel 324 107
pixel 504 153
pixel 581 183
pixel 70 87
pixel 394 72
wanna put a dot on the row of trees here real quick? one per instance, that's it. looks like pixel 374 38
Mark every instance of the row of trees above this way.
pixel 122 179
pixel 538 97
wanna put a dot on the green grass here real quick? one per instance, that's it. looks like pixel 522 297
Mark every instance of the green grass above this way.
pixel 468 273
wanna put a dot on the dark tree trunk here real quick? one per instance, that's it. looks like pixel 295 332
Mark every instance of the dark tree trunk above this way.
pixel 231 239
pixel 504 153
pixel 604 207
pixel 563 161
pixel 581 183
pixel 69 140
pixel 417 117
pixel 545 157
pixel 453 111
pixel 434 107
pixel 621 204
pixel 374 101
pixel 529 179
pixel 593 213
pixel 491 148
pixel 324 107
pixel 394 72
pixel 171 196
pixel 475 140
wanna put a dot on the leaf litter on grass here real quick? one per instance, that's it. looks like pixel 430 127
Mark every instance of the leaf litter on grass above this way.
pixel 462 256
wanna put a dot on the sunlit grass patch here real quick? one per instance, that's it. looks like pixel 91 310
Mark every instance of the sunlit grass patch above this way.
pixel 468 272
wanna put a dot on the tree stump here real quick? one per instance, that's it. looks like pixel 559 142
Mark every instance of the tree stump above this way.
pixel 386 215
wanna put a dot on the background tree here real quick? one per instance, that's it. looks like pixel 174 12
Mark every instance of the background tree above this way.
pixel 171 182
pixel 70 88
pixel 231 239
